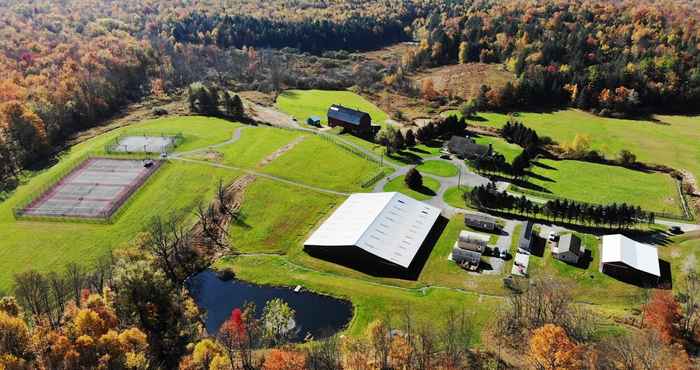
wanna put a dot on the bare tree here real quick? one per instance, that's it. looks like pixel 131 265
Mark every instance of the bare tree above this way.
pixel 76 278
pixel 690 305
pixel 32 291
pixel 60 290
pixel 169 241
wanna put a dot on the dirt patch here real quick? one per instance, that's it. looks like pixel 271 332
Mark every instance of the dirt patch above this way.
pixel 269 115
pixel 464 80
pixel 281 151
pixel 390 54
pixel 258 97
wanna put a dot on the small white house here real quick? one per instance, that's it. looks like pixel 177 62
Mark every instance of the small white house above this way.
pixel 569 249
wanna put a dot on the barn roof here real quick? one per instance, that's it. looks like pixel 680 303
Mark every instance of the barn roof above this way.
pixel 464 146
pixel 642 257
pixel 477 217
pixel 345 114
pixel 391 226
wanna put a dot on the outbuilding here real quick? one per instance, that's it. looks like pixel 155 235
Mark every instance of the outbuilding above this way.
pixel 467 259
pixel 525 241
pixel 379 227
pixel 568 249
pixel 476 242
pixel 480 221
pixel 314 121
pixel 629 260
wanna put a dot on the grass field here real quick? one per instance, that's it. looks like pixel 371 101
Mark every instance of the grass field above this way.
pixel 430 188
pixel 438 168
pixel 255 144
pixel 509 151
pixel 277 217
pixel 672 141
pixel 602 184
pixel 177 187
pixel 303 104
pixel 321 163
pixel 453 196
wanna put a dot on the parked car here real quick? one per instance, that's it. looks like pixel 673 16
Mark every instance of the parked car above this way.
pixel 504 254
pixel 553 236
pixel 675 230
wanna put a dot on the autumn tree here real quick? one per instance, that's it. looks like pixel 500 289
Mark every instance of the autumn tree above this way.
pixel 280 359
pixel 662 313
pixel 642 349
pixel 15 341
pixel 24 131
pixel 552 349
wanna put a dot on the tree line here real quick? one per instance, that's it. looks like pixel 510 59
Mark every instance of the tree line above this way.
pixel 620 216
pixel 308 35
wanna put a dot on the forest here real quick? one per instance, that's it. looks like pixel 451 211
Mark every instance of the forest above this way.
pixel 611 57
pixel 64 70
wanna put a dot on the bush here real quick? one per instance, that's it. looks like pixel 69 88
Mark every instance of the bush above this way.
pixel 160 112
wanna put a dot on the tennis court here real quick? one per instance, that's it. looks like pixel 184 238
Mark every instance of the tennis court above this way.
pixel 144 144
pixel 95 189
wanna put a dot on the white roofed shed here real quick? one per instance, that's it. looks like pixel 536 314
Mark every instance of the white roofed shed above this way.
pixel 621 249
pixel 391 226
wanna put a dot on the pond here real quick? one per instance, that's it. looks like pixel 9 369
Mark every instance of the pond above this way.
pixel 317 316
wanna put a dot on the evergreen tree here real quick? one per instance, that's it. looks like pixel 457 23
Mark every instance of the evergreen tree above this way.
pixel 413 179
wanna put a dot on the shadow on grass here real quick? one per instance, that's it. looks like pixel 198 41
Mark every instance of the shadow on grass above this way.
pixel 545 166
pixel 426 191
pixel 539 177
pixel 367 263
pixel 528 185
pixel 414 149
pixel 406 157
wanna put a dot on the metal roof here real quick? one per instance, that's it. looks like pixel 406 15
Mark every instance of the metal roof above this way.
pixel 344 114
pixel 391 226
pixel 619 248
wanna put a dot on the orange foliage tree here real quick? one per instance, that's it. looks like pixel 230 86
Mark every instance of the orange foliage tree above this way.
pixel 661 313
pixel 551 348
pixel 279 359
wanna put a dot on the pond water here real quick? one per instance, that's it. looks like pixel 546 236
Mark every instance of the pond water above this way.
pixel 316 315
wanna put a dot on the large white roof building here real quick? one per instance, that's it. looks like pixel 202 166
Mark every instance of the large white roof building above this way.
pixel 391 226
pixel 618 249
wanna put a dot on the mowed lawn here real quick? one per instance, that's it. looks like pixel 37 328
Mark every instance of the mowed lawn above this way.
pixel 672 141
pixel 453 196
pixel 602 184
pixel 175 188
pixel 303 104
pixel 438 168
pixel 198 132
pixel 277 217
pixel 321 163
pixel 508 150
pixel 429 190
pixel 255 144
